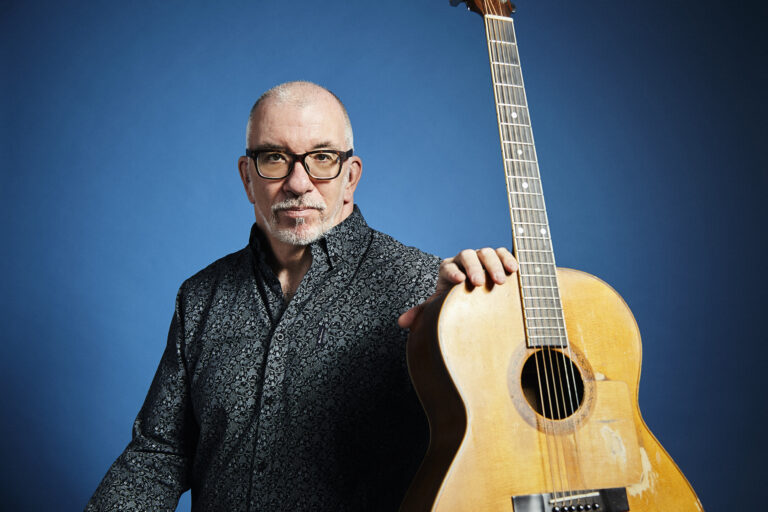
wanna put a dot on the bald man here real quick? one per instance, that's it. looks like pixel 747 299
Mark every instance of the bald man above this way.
pixel 284 385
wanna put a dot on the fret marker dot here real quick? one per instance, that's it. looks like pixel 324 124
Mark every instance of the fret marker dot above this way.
pixel 520 230
pixel 537 269
pixel 519 152
pixel 543 231
pixel 525 184
pixel 514 115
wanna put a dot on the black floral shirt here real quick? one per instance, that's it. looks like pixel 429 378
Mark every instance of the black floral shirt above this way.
pixel 261 405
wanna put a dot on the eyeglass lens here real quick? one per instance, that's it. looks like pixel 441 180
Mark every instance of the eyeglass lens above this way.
pixel 319 164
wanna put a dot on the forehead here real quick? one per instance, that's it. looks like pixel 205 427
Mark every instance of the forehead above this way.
pixel 298 125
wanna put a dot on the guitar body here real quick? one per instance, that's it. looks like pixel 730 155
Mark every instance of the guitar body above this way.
pixel 490 441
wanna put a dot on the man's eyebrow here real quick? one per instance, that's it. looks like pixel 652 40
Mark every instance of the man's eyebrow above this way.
pixel 277 147
pixel 324 145
pixel 268 147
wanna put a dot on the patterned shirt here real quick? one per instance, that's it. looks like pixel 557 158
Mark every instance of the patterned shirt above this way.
pixel 263 405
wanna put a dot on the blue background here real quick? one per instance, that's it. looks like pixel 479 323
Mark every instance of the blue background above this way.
pixel 122 123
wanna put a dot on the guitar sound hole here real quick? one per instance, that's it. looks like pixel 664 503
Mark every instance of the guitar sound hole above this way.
pixel 552 384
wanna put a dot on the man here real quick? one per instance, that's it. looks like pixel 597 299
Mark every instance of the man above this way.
pixel 283 385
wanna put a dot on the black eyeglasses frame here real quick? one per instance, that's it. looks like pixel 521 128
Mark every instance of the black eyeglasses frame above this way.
pixel 343 157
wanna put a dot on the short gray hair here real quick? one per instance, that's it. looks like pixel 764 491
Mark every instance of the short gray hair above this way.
pixel 291 92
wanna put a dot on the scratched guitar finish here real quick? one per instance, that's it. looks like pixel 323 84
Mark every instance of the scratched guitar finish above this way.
pixel 531 387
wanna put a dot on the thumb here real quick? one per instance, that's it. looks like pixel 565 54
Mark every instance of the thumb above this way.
pixel 406 319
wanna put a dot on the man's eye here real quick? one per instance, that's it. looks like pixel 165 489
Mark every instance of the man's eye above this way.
pixel 273 157
pixel 323 157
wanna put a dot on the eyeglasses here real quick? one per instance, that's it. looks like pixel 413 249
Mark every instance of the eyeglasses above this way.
pixel 322 164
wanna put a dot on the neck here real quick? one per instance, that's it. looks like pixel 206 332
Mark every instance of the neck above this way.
pixel 289 263
pixel 542 310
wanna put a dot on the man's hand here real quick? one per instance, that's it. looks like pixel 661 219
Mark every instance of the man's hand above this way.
pixel 468 264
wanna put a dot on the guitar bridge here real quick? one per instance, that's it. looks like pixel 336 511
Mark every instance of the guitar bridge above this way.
pixel 603 500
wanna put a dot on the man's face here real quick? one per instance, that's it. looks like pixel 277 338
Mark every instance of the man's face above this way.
pixel 297 209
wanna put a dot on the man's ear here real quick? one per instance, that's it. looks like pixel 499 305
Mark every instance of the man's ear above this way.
pixel 355 172
pixel 245 177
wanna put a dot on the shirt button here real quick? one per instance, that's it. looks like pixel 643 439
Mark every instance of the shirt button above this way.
pixel 279 336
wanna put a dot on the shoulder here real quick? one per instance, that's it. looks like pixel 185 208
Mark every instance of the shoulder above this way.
pixel 384 247
pixel 227 273
pixel 395 270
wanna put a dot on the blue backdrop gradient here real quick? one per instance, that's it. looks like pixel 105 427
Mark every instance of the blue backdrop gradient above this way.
pixel 122 123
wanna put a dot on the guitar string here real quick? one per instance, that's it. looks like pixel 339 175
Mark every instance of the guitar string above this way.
pixel 527 216
pixel 492 34
pixel 514 132
pixel 564 370
pixel 561 368
pixel 560 359
pixel 544 254
pixel 524 215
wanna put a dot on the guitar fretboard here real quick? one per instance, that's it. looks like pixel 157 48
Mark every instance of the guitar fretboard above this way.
pixel 542 309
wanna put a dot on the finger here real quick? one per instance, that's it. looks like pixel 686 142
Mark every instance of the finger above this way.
pixel 406 319
pixel 492 264
pixel 451 272
pixel 507 259
pixel 473 269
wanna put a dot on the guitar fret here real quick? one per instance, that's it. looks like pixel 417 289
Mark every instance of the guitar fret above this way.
pixel 525 178
pixel 537 194
pixel 540 286
pixel 522 209
pixel 510 105
pixel 501 42
pixel 522 177
pixel 505 64
pixel 519 160
pixel 513 124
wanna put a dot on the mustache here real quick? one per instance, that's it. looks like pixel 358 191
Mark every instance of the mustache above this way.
pixel 298 202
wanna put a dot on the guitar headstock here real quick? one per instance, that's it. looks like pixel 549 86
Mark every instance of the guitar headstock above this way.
pixel 483 7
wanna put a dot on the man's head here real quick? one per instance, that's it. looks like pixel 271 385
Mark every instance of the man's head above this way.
pixel 295 118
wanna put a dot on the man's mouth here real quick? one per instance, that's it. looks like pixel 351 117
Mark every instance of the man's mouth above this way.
pixel 296 211
pixel 295 208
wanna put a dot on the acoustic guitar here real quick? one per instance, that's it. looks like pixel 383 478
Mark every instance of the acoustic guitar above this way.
pixel 531 387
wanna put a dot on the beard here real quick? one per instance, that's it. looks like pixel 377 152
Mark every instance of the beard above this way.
pixel 302 233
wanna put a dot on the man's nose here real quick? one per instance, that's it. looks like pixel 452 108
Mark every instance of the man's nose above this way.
pixel 298 181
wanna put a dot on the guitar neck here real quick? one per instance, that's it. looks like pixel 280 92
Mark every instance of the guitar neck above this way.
pixel 542 308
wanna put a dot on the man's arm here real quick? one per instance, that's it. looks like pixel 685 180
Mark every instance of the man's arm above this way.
pixel 468 264
pixel 153 471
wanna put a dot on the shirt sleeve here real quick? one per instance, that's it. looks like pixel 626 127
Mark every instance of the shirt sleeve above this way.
pixel 154 469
